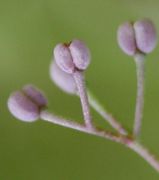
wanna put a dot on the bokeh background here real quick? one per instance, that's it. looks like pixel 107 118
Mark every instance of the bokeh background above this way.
pixel 29 29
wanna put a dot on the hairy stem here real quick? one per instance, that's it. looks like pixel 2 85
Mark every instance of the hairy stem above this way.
pixel 80 83
pixel 45 115
pixel 94 103
pixel 126 140
pixel 140 64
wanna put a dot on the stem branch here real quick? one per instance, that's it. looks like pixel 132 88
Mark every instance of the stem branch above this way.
pixel 80 83
pixel 94 103
pixel 127 141
pixel 145 154
pixel 140 60
pixel 45 115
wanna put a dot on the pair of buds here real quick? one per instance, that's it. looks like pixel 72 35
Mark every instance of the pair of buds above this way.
pixel 138 37
pixel 27 103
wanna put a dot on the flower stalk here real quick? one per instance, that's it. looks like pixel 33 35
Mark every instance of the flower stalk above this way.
pixel 95 104
pixel 128 141
pixel 140 66
pixel 80 83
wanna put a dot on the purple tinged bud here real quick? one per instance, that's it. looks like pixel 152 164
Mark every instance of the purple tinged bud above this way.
pixel 137 37
pixel 80 54
pixel 146 37
pixel 36 95
pixel 27 103
pixel 63 58
pixel 126 38
pixel 72 56
pixel 62 79
pixel 22 107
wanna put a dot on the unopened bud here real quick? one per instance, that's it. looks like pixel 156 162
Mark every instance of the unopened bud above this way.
pixel 137 37
pixel 27 103
pixel 36 95
pixel 146 37
pixel 126 38
pixel 72 56
pixel 80 54
pixel 63 58
pixel 62 79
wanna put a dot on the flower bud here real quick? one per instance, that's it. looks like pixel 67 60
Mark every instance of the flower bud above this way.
pixel 36 95
pixel 63 58
pixel 126 38
pixel 146 37
pixel 27 103
pixel 137 37
pixel 62 79
pixel 80 54
pixel 72 56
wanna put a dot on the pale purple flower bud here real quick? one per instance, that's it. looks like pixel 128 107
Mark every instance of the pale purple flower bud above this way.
pixel 36 95
pixel 146 37
pixel 26 104
pixel 126 38
pixel 72 56
pixel 80 54
pixel 137 37
pixel 63 58
pixel 62 79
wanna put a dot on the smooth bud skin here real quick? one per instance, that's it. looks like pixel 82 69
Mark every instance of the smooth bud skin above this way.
pixel 27 103
pixel 80 54
pixel 146 37
pixel 126 38
pixel 36 95
pixel 63 58
pixel 73 56
pixel 22 107
pixel 62 79
pixel 138 37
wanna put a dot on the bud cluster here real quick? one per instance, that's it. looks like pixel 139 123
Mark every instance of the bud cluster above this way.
pixel 138 37
pixel 66 70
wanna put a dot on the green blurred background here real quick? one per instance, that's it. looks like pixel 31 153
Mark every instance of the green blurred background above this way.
pixel 29 29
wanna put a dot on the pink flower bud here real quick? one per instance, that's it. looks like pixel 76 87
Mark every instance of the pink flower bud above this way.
pixel 80 54
pixel 35 94
pixel 62 79
pixel 146 37
pixel 63 58
pixel 73 56
pixel 137 37
pixel 26 104
pixel 126 38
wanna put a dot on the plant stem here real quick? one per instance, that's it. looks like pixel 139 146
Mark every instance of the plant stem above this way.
pixel 45 115
pixel 140 64
pixel 94 103
pixel 126 140
pixel 145 154
pixel 80 83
